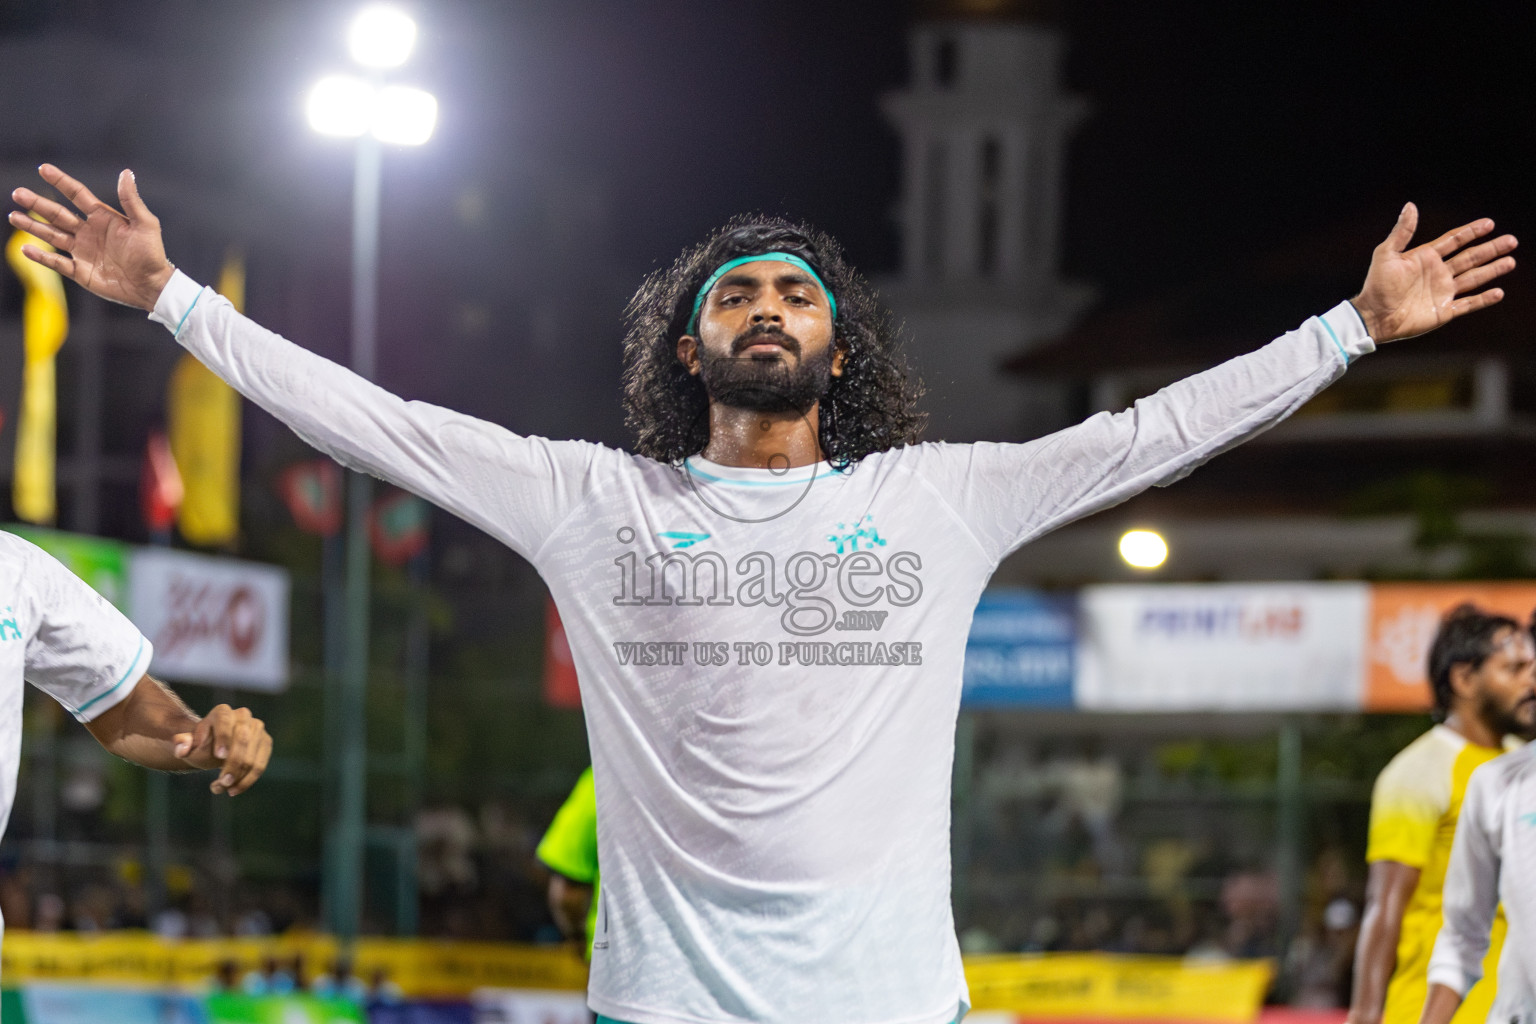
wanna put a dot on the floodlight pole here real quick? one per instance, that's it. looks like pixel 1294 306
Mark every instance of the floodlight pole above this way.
pixel 344 888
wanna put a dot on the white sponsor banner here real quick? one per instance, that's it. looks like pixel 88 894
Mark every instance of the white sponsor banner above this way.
pixel 212 620
pixel 1223 647
pixel 530 1006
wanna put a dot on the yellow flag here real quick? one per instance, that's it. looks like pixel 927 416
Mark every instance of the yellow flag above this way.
pixel 45 322
pixel 203 417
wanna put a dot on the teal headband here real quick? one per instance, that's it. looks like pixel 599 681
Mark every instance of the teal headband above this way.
pixel 772 257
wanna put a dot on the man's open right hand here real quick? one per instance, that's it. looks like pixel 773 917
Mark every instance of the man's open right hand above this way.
pixel 118 256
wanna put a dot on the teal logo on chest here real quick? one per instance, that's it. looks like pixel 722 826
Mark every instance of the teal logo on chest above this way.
pixel 8 628
pixel 682 538
pixel 861 536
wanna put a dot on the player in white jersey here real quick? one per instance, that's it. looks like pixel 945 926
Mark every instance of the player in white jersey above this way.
pixel 1493 862
pixel 62 637
pixel 768 603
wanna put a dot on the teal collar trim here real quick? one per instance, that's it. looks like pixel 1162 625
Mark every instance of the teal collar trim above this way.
pixel 772 257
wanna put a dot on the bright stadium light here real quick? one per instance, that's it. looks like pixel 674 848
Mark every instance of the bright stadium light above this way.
pixel 404 116
pixel 341 105
pixel 381 37
pixel 1143 549
pixel 372 111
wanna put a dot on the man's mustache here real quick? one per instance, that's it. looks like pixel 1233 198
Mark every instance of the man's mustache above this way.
pixel 752 335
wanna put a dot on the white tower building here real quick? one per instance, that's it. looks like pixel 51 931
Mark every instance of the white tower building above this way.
pixel 984 125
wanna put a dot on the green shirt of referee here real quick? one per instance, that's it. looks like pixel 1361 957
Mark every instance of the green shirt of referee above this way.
pixel 569 849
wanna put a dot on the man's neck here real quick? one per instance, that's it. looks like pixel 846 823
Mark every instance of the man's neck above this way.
pixel 762 440
pixel 1474 729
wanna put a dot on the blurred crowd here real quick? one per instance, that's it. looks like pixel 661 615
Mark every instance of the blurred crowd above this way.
pixel 1078 849
pixel 1074 848
pixel 477 874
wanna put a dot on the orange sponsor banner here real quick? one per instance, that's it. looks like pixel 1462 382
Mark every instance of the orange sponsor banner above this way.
pixel 1404 618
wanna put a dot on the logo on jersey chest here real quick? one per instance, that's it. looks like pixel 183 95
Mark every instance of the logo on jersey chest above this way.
pixel 853 587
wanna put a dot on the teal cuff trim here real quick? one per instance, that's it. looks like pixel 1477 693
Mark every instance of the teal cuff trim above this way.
pixel 1336 342
pixel 126 673
pixel 1358 316
pixel 183 323
pixel 772 257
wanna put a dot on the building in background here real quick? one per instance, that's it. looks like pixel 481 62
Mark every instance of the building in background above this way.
pixel 984 125
pixel 1410 466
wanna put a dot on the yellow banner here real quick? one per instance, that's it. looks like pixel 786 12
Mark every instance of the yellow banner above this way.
pixel 1104 986
pixel 421 968
pixel 45 323
pixel 1052 986
pixel 203 421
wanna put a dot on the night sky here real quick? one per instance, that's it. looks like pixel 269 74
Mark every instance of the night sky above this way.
pixel 1218 130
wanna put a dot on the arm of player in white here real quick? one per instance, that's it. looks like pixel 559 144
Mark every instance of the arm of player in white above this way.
pixel 154 728
pixel 1471 894
pixel 1010 494
pixel 515 488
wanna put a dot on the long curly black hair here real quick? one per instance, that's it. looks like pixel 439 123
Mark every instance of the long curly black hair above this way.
pixel 870 408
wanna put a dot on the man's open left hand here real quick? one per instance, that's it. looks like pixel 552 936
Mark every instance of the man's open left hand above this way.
pixel 1411 291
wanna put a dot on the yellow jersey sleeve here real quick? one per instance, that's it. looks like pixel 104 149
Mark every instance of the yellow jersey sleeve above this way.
pixel 1411 796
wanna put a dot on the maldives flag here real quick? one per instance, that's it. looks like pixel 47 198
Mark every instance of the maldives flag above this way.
pixel 312 492
pixel 398 528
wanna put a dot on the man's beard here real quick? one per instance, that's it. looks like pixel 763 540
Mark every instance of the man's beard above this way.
pixel 765 385
pixel 1511 721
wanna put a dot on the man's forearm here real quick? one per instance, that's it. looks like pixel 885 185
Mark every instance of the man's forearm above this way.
pixel 1375 960
pixel 142 728
pixel 1442 1004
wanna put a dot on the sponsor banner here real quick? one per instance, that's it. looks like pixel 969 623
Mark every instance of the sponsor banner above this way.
pixel 1021 650
pixel 74 1004
pixel 1222 647
pixel 101 563
pixel 427 1013
pixel 530 1006
pixel 1107 987
pixel 297 1009
pixel 1403 622
pixel 419 968
pixel 212 620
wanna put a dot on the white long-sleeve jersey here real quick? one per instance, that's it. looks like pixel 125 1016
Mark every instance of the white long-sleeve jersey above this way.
pixel 770 659
pixel 1493 861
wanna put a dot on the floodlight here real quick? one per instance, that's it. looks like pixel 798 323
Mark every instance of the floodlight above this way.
pixel 1143 549
pixel 404 116
pixel 381 36
pixel 341 105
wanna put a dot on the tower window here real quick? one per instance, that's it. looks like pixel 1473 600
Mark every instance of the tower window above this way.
pixel 986 228
pixel 946 62
pixel 933 206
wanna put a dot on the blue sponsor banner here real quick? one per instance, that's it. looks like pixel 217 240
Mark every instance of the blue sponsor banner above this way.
pixel 52 1003
pixel 1021 651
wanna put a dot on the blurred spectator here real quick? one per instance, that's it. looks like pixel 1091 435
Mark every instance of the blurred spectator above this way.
pixel 226 978
pixel 340 983
pixel 50 913
pixel 382 988
pixel 272 979
pixel 445 839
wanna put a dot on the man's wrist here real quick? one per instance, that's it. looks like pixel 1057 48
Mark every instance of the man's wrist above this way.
pixel 155 286
pixel 1367 318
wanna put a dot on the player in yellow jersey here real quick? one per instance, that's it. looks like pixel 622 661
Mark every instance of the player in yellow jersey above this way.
pixel 1482 669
